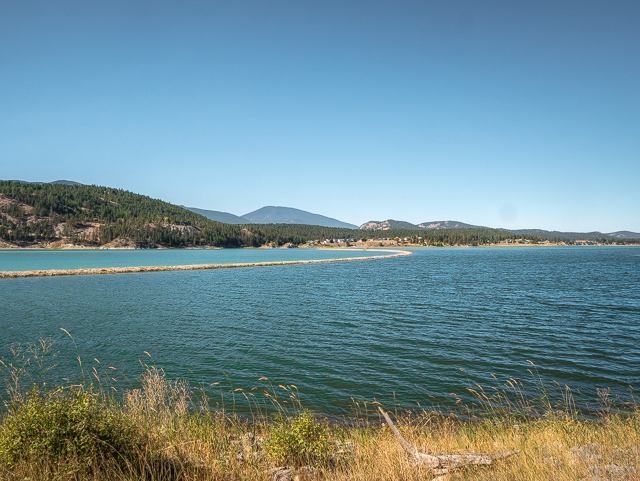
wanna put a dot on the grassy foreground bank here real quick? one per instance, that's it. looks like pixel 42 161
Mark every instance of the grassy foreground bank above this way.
pixel 165 431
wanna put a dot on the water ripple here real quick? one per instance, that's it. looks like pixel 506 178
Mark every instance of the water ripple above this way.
pixel 421 327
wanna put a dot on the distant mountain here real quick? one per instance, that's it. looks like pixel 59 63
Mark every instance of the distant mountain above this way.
pixel 624 234
pixel 289 215
pixel 562 235
pixel 399 224
pixel 452 224
pixel 596 235
pixel 59 182
pixel 65 182
pixel 388 225
pixel 447 224
pixel 225 217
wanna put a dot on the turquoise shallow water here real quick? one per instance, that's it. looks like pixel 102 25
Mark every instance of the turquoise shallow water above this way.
pixel 26 260
pixel 422 327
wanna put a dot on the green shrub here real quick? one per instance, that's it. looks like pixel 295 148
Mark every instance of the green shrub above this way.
pixel 73 428
pixel 298 440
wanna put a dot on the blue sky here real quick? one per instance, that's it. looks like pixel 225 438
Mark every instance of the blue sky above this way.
pixel 511 114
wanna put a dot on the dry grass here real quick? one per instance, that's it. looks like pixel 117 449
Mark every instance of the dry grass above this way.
pixel 178 437
pixel 548 448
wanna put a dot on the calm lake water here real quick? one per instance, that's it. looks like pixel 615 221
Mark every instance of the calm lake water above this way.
pixel 26 260
pixel 407 330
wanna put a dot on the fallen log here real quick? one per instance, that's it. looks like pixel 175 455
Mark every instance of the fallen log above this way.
pixel 442 463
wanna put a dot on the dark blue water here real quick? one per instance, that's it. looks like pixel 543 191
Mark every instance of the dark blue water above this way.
pixel 422 326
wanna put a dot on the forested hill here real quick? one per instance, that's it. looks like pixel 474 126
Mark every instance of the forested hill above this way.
pixel 35 213
pixel 63 214
pixel 48 214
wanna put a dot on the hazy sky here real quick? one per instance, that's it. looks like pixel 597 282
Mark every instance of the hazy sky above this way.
pixel 505 114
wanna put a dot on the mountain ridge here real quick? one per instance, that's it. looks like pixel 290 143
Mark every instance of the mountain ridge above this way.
pixel 593 235
pixel 219 216
pixel 288 215
pixel 64 215
pixel 448 224
pixel 273 215
pixel 55 182
pixel 433 225
pixel 390 224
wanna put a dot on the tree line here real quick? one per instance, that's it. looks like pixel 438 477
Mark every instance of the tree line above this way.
pixel 59 211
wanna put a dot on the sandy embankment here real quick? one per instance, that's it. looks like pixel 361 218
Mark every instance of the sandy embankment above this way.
pixel 194 267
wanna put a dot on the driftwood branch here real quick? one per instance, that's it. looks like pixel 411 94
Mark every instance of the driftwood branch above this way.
pixel 443 462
